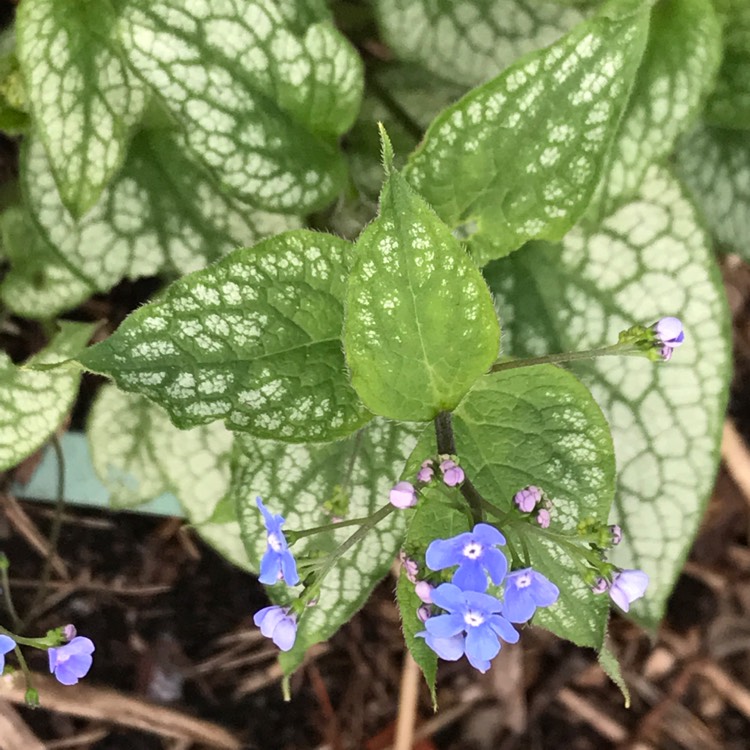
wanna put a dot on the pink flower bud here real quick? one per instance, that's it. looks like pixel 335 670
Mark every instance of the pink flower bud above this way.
pixel 424 591
pixel 527 498
pixel 543 518
pixel 403 495
pixel 453 474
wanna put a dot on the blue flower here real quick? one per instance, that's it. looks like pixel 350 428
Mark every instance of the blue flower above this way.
pixel 472 626
pixel 277 563
pixel 277 624
pixel 627 586
pixel 72 661
pixel 7 644
pixel 474 552
pixel 525 590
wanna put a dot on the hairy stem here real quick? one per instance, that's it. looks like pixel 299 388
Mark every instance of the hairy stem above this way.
pixel 556 359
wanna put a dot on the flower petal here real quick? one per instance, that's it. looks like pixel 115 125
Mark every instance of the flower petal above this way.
pixel 496 563
pixel 273 616
pixel 518 606
pixel 503 628
pixel 445 553
pixel 270 567
pixel 487 535
pixel 619 598
pixel 448 597
pixel 482 602
pixel 482 645
pixel 445 626
pixel 470 576
pixel 285 633
pixel 289 568
pixel 7 644
pixel 450 649
pixel 542 590
pixel 80 645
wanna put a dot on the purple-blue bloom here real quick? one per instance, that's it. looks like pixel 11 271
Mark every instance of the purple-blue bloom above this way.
pixel 525 590
pixel 669 332
pixel 627 586
pixel 474 552
pixel 7 644
pixel 277 563
pixel 277 624
pixel 478 616
pixel 72 661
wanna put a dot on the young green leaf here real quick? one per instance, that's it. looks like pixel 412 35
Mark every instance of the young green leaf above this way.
pixel 679 68
pixel 38 285
pixel 161 213
pixel 729 104
pixel 471 40
pixel 33 403
pixel 541 426
pixel 714 163
pixel 420 326
pixel 519 157
pixel 297 481
pixel 260 103
pixel 83 97
pixel 139 454
pixel 648 259
pixel 254 340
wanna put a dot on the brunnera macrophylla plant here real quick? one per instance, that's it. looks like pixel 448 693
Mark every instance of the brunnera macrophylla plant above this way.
pixel 488 337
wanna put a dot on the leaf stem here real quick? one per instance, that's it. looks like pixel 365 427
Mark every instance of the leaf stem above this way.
pixel 446 444
pixel 5 582
pixel 616 350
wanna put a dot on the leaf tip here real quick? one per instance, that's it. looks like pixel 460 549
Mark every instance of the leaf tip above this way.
pixel 386 150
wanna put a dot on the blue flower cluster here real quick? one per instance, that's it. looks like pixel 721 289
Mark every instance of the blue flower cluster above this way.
pixel 474 622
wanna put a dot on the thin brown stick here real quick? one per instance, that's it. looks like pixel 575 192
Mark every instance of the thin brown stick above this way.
pixel 112 707
pixel 407 704
pixel 596 718
pixel 736 457
pixel 86 739
pixel 14 733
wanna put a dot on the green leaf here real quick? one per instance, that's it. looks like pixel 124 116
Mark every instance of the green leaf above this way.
pixel 38 284
pixel 14 118
pixel 33 403
pixel 472 40
pixel 714 163
pixel 541 426
pixel 420 326
pixel 121 429
pixel 162 213
pixel 296 481
pixel 729 104
pixel 519 158
pixel 679 68
pixel 254 340
pixel 139 454
pixel 83 97
pixel 648 259
pixel 260 102
pixel 611 665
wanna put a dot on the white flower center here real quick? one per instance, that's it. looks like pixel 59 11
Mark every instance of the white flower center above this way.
pixel 473 619
pixel 274 542
pixel 473 550
pixel 523 581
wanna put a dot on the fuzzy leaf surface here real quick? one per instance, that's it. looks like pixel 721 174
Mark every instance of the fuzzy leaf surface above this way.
pixel 33 403
pixel 519 157
pixel 648 259
pixel 260 102
pixel 679 68
pixel 297 481
pixel 469 41
pixel 729 104
pixel 253 340
pixel 714 163
pixel 83 97
pixel 161 213
pixel 420 326
pixel 38 285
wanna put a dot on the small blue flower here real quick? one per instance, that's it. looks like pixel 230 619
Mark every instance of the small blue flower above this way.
pixel 474 614
pixel 277 624
pixel 72 661
pixel 7 644
pixel 627 586
pixel 474 552
pixel 525 590
pixel 277 563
